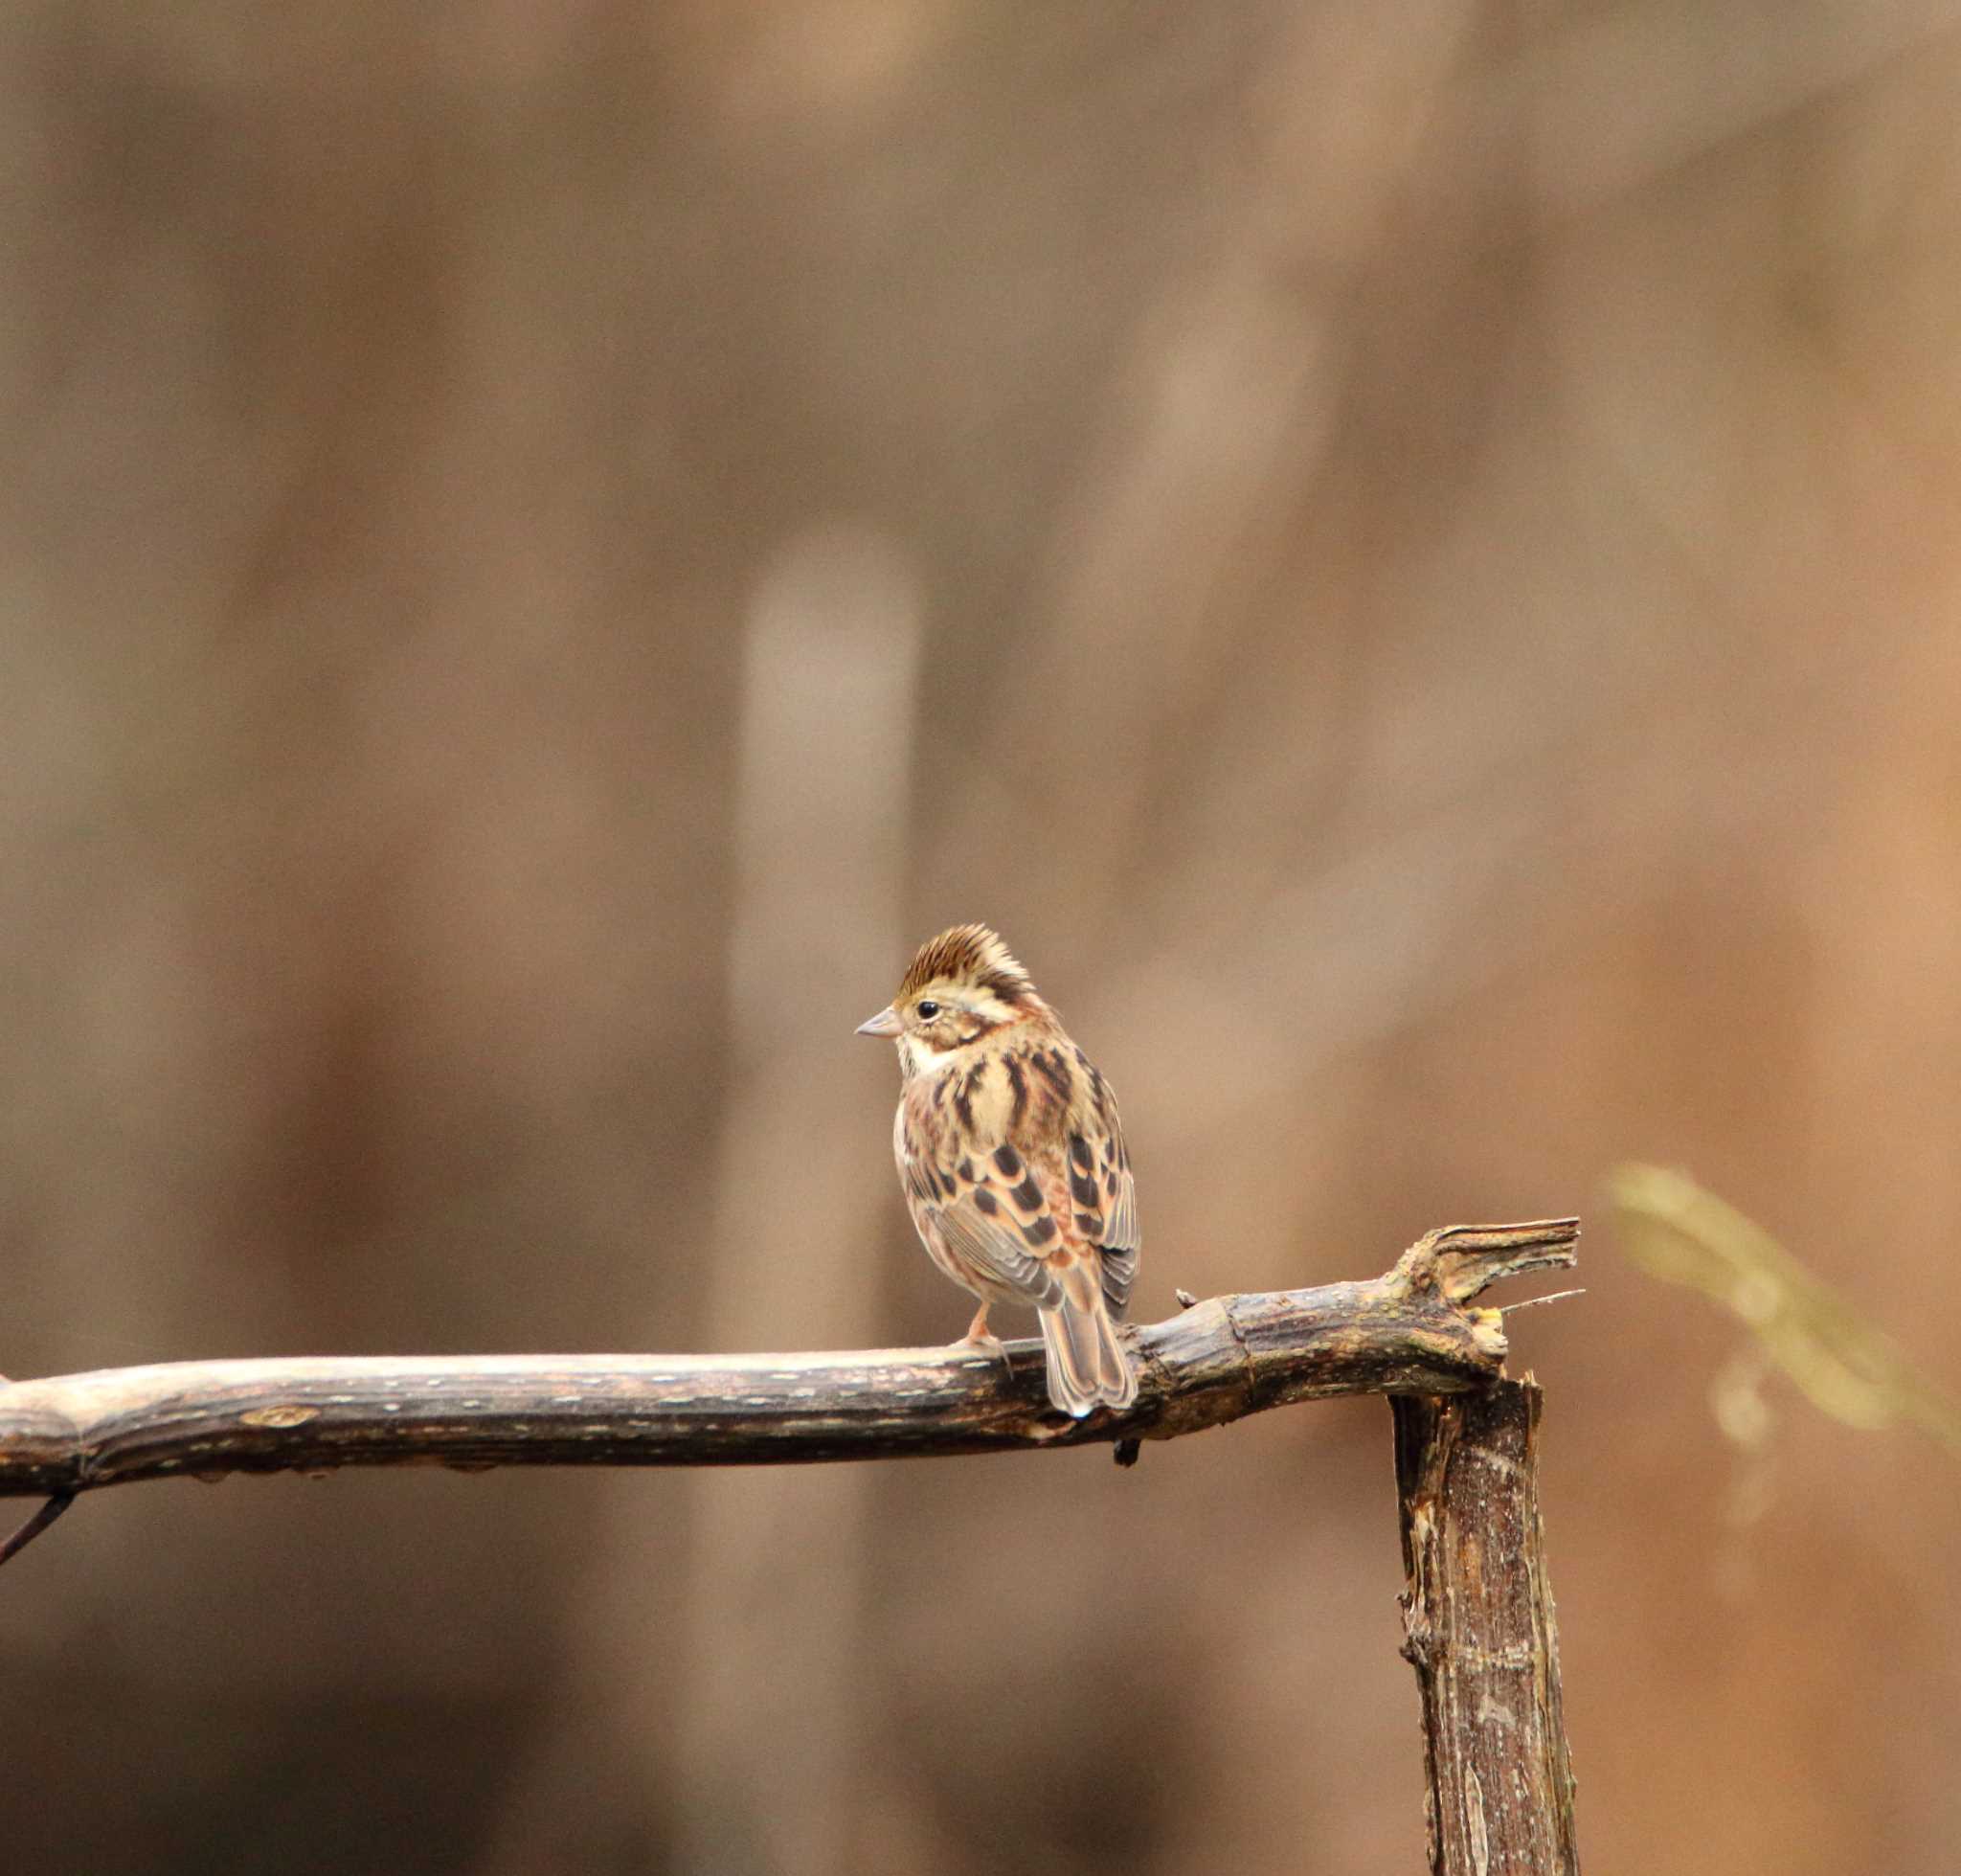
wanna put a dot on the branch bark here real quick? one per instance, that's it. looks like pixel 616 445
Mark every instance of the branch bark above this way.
pixel 1411 1331
pixel 1478 1621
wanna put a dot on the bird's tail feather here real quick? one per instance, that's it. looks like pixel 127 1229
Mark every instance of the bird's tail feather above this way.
pixel 1087 1364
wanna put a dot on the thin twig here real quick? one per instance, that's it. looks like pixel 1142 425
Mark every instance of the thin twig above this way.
pixel 35 1526
pixel 1533 1302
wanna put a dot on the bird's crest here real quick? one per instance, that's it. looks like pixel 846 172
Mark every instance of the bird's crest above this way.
pixel 971 955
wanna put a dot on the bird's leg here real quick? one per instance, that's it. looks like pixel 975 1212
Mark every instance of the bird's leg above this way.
pixel 977 1336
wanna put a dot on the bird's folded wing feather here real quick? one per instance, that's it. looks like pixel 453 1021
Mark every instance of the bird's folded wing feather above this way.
pixel 1104 1197
pixel 992 1214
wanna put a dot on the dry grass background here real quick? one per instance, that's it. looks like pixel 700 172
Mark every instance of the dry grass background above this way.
pixel 1405 554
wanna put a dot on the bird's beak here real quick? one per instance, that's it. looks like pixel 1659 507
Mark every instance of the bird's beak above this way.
pixel 885 1024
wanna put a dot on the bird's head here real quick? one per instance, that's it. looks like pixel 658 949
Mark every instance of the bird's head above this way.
pixel 961 987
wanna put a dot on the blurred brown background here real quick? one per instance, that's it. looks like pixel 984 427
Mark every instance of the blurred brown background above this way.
pixel 1405 555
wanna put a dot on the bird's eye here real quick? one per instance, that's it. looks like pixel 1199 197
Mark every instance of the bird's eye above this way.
pixel 928 1009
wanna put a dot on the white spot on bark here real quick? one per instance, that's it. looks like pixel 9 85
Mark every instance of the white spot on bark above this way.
pixel 1474 1824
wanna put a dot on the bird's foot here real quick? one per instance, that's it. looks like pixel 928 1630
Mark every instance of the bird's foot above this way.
pixel 979 1337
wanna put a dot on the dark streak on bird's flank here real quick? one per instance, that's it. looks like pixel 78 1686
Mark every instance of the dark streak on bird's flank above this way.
pixel 1054 1071
pixel 1018 1087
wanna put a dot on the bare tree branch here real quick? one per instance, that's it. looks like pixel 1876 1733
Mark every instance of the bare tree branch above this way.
pixel 1479 1629
pixel 1408 1332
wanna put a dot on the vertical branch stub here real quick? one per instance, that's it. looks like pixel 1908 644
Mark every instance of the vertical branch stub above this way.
pixel 1480 1630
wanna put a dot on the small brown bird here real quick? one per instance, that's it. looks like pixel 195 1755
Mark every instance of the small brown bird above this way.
pixel 1012 1160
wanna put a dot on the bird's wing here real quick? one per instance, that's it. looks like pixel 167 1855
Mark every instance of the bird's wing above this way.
pixel 992 1215
pixel 1104 1197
